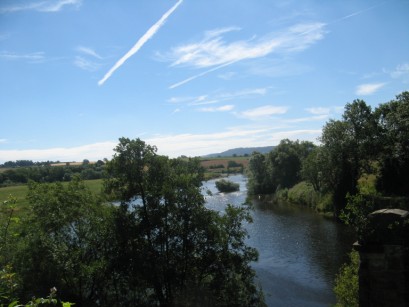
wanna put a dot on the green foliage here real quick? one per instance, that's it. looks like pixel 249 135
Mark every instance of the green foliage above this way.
pixel 226 186
pixel 170 248
pixel 356 212
pixel 259 179
pixel 393 119
pixel 304 194
pixel 8 285
pixel 232 163
pixel 63 242
pixel 216 166
pixel 279 169
pixel 48 173
pixel 346 283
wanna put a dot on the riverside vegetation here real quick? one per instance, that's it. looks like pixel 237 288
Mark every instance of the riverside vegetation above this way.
pixel 93 250
pixel 361 165
pixel 156 245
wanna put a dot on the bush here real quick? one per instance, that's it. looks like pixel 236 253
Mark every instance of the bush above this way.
pixel 303 193
pixel 227 186
pixel 346 283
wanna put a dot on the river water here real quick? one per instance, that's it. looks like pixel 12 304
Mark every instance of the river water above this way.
pixel 300 252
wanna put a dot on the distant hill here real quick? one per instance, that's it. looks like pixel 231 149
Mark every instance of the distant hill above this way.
pixel 240 151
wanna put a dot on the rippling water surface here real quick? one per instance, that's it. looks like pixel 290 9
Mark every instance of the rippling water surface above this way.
pixel 299 251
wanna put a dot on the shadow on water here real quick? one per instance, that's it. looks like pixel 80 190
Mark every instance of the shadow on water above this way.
pixel 300 251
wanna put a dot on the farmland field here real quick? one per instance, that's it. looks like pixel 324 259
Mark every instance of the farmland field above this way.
pixel 20 192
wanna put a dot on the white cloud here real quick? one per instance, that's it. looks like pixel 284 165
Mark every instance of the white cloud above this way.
pixel 213 51
pixel 400 71
pixel 172 145
pixel 307 119
pixel 50 6
pixel 92 152
pixel 3 140
pixel 218 109
pixel 175 85
pixel 86 64
pixel 202 144
pixel 262 112
pixel 217 32
pixel 220 97
pixel 88 51
pixel 318 110
pixel 34 57
pixel 368 88
pixel 147 36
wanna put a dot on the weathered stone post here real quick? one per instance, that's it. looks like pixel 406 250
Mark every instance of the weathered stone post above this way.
pixel 384 259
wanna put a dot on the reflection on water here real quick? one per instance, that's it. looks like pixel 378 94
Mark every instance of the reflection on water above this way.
pixel 299 251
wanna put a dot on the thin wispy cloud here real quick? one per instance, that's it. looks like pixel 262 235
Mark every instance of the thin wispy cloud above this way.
pixel 89 51
pixel 175 85
pixel 369 88
pixel 148 35
pixel 34 57
pixel 359 12
pixel 400 71
pixel 214 52
pixel 318 110
pixel 3 141
pixel 41 6
pixel 220 97
pixel 218 109
pixel 86 64
pixel 262 112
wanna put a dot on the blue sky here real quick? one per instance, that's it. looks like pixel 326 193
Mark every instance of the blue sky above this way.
pixel 192 77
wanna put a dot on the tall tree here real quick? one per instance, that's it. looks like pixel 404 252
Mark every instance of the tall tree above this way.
pixel 393 121
pixel 347 147
pixel 64 243
pixel 174 249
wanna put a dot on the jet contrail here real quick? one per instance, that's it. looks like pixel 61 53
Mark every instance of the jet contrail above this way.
pixel 201 74
pixel 148 35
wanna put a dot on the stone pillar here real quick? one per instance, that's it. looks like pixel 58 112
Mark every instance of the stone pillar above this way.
pixel 384 259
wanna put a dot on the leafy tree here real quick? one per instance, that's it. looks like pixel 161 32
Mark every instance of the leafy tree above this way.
pixel 347 146
pixel 173 250
pixel 259 179
pixel 285 161
pixel 393 121
pixel 312 168
pixel 64 243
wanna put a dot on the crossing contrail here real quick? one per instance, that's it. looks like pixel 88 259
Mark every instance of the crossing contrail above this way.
pixel 148 35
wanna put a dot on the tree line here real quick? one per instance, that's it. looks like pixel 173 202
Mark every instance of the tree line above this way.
pixel 147 240
pixel 363 143
pixel 22 171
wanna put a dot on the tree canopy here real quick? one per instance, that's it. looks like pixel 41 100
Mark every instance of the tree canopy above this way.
pixel 148 240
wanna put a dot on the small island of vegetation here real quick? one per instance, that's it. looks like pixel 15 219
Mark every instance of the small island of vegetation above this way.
pixel 226 186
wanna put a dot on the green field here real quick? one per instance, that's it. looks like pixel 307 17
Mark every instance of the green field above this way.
pixel 20 192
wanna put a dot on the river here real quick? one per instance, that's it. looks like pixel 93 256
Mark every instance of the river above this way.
pixel 300 252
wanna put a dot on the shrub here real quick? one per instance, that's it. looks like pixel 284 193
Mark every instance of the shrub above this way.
pixel 227 186
pixel 303 193
pixel 346 283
